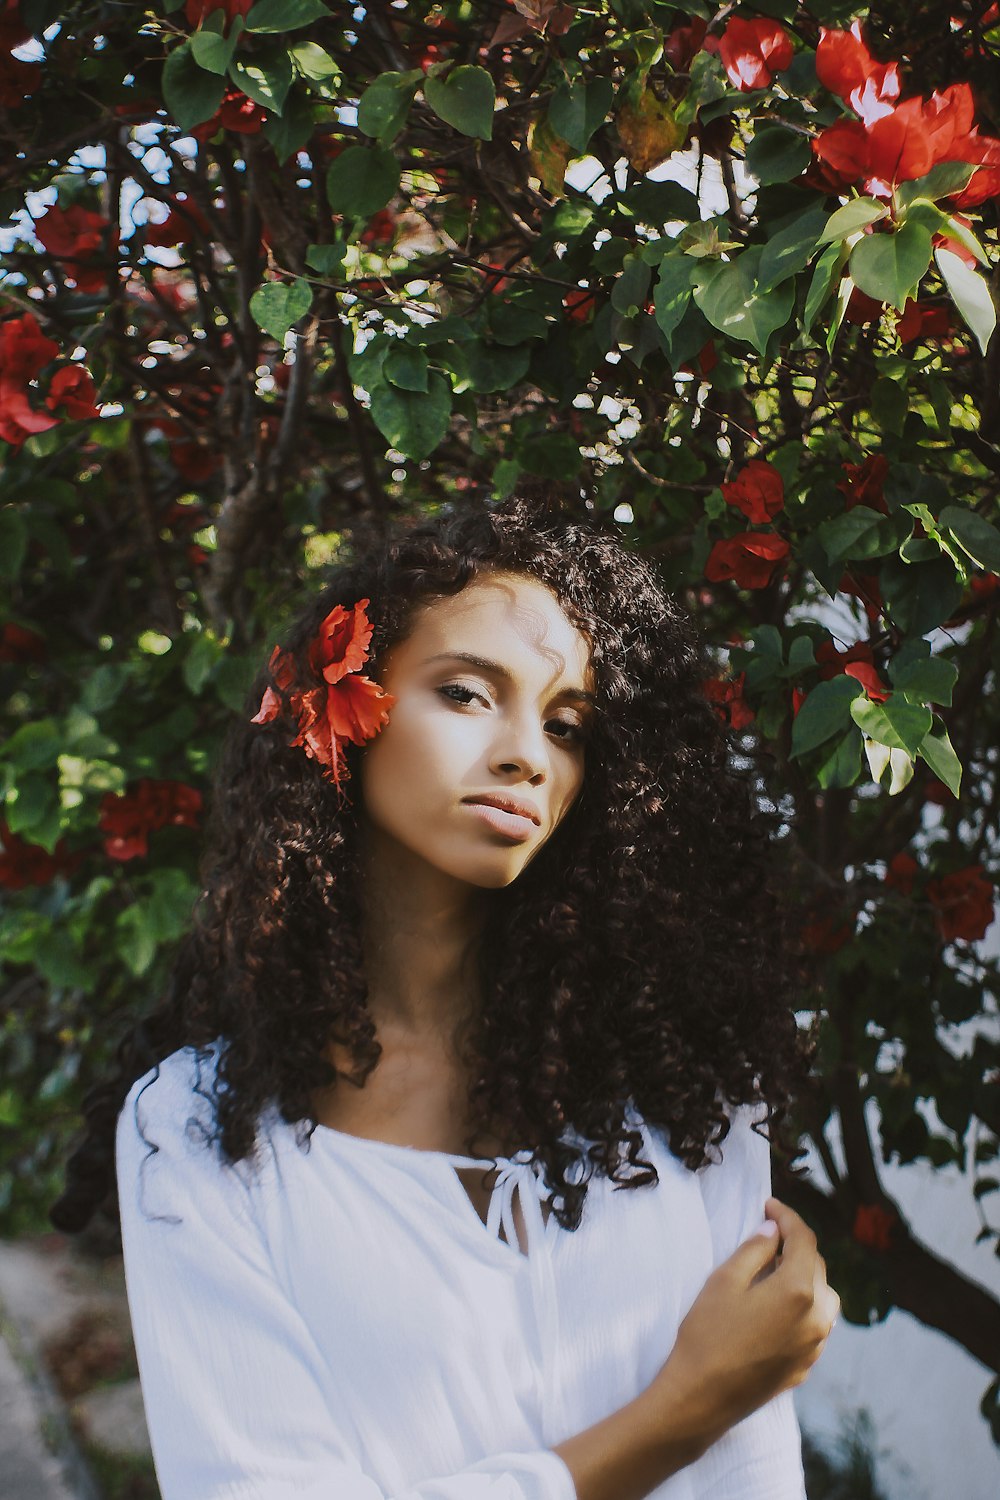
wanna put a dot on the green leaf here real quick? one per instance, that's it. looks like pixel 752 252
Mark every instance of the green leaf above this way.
pixel 825 712
pixel 30 805
pixel 312 61
pixel 896 723
pixel 628 294
pixel 209 48
pixel 946 178
pixel 825 273
pixel 928 681
pixel 728 295
pixel 976 536
pixel 888 267
pixel 852 217
pixel 135 939
pixel 465 98
pixel 35 746
pixel 411 421
pixel 327 260
pixel 285 15
pixel 840 763
pixel 289 131
pixel 191 95
pixel 277 305
pixel 776 155
pixel 970 294
pixel 861 533
pixel 790 250
pixel 493 367
pixel 406 367
pixel 362 180
pixel 385 104
pixel 939 753
pixel 265 78
pixel 921 595
pixel 13 542
pixel 578 108
pixel 672 294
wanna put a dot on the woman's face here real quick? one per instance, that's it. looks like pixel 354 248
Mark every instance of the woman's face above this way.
pixel 509 724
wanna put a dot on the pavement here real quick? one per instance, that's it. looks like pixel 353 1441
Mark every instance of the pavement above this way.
pixel 71 1419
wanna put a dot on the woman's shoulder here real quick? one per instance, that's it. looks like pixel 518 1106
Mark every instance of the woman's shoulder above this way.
pixel 172 1105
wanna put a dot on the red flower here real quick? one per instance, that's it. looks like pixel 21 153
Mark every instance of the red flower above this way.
pixel 684 42
pixel 236 112
pixel 921 320
pixel 23 864
pixel 579 303
pixel 857 662
pixel 24 351
pixel 901 873
pixel 381 229
pixel 863 483
pixel 749 559
pixel 184 220
pixel 873 1226
pixel 827 934
pixel 758 491
pixel 935 791
pixel 80 239
pixel 18 79
pixel 753 51
pixel 846 67
pixel 20 645
pixel 73 388
pixel 195 462
pixel 197 10
pixel 963 903
pixel 344 706
pixel 726 696
pixel 799 696
pixel 862 309
pixel 129 818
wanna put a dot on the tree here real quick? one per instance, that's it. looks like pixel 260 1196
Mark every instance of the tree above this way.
pixel 278 272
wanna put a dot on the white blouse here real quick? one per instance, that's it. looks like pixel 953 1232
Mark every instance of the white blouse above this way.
pixel 339 1324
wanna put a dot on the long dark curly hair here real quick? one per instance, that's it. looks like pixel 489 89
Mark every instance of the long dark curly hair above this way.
pixel 640 956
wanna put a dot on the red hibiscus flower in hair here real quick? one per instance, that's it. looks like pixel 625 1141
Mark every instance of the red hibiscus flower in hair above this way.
pixel 342 706
pixel 128 819
pixel 753 51
pixel 726 696
pixel 963 904
pixel 748 559
pixel 758 491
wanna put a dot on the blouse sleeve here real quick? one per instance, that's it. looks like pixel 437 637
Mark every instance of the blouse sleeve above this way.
pixel 232 1379
pixel 759 1458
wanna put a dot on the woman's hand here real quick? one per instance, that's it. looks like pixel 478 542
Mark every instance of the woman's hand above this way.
pixel 756 1328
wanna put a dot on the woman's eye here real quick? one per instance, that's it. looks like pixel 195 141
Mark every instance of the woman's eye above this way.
pixel 458 693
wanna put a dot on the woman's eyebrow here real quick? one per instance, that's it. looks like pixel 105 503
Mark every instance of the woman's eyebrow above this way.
pixel 578 695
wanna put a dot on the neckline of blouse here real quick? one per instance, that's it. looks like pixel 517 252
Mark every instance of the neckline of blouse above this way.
pixel 524 1154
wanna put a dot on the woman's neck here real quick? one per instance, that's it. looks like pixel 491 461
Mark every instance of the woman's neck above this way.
pixel 421 935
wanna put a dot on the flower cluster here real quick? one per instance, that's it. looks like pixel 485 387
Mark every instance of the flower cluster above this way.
pixel 963 900
pixel 750 558
pixel 81 241
pixel 892 140
pixel 128 818
pixel 342 706
pixel 23 864
pixel 24 353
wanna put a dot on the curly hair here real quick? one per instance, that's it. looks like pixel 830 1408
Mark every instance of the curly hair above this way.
pixel 640 957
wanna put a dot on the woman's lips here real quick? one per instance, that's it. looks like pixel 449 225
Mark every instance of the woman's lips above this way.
pixel 511 825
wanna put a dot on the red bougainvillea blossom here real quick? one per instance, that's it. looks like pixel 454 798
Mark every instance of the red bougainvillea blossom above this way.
pixel 20 645
pixel 580 303
pixel 17 77
pixel 72 388
pixel 726 696
pixel 749 559
pixel 857 662
pixel 183 221
pixel 345 706
pixel 758 491
pixel 197 10
pixel 963 903
pixel 82 240
pixel 827 934
pixel 753 51
pixel 865 588
pixel 24 352
pixel 128 819
pixel 236 112
pixel 923 320
pixel 684 41
pixel 863 483
pixel 846 67
pixel 901 873
pixel 23 864
pixel 873 1226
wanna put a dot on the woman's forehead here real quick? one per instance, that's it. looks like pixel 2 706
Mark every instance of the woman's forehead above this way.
pixel 501 614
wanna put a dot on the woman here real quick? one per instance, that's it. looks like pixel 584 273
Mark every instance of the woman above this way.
pixel 437 1170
